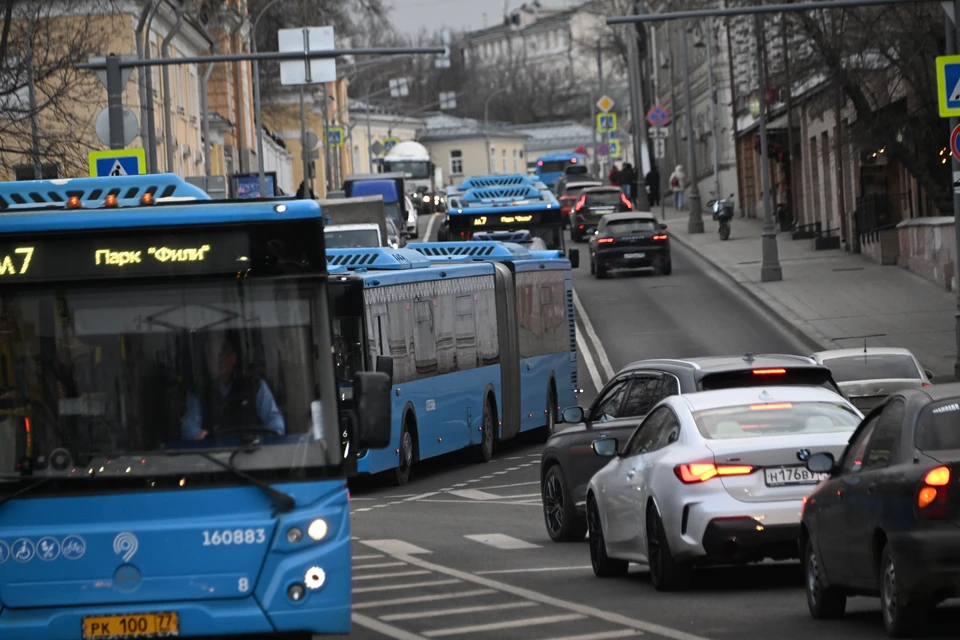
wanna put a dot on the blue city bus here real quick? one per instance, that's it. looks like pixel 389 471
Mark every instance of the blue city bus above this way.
pixel 457 326
pixel 173 453
pixel 551 166
pixel 502 208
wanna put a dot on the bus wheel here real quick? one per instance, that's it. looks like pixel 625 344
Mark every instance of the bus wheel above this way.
pixel 487 429
pixel 407 455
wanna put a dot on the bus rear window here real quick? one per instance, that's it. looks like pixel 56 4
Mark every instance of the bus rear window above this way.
pixel 938 428
pixel 809 376
pixel 553 167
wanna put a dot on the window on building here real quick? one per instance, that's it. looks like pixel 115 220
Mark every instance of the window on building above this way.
pixel 493 159
pixel 504 160
pixel 48 171
pixel 516 161
pixel 456 162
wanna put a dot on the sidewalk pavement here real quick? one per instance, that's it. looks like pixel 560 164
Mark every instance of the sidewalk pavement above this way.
pixel 829 297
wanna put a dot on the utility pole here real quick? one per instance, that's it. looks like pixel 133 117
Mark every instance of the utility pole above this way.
pixel 34 114
pixel 603 137
pixel 787 87
pixel 713 109
pixel 953 40
pixel 695 222
pixel 770 261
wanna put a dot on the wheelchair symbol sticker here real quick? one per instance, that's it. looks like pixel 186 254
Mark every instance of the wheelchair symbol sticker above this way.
pixel 4 552
pixel 23 550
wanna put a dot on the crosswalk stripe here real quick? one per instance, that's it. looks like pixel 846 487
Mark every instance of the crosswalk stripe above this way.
pixel 603 635
pixel 416 599
pixel 394 547
pixel 370 556
pixel 496 626
pixel 387 576
pixel 474 494
pixel 383 629
pixel 409 585
pixel 457 611
pixel 501 541
pixel 379 565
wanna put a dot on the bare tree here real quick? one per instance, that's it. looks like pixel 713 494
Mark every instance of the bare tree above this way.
pixel 37 39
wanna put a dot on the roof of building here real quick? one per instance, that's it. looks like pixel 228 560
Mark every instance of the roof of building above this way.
pixel 443 126
pixel 543 16
pixel 555 135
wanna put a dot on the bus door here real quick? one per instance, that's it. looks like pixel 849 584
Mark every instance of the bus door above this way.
pixel 509 351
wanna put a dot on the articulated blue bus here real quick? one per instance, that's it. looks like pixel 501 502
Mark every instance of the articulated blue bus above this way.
pixel 173 452
pixel 483 346
pixel 508 208
pixel 552 166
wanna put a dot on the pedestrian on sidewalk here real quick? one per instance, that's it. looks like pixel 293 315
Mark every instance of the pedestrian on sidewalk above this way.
pixel 627 179
pixel 678 182
pixel 612 176
pixel 653 186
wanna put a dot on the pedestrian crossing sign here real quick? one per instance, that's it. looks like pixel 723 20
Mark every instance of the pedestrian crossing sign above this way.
pixel 613 148
pixel 948 86
pixel 117 162
pixel 606 122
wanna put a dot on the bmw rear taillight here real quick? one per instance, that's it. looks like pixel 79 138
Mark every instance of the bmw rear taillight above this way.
pixel 660 237
pixel 932 494
pixel 697 472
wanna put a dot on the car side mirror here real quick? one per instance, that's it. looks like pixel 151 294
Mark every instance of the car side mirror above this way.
pixel 574 255
pixel 385 365
pixel 371 392
pixel 572 415
pixel 663 225
pixel 605 447
pixel 929 374
pixel 821 463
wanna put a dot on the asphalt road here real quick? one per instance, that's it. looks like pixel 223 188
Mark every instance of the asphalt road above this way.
pixel 461 551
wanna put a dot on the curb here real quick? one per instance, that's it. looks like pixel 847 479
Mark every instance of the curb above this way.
pixel 786 323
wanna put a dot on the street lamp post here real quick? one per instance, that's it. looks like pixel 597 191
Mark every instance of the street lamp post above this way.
pixel 695 222
pixel 711 88
pixel 257 113
pixel 770 262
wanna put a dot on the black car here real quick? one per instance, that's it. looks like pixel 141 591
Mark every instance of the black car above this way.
pixel 630 241
pixel 568 462
pixel 592 205
pixel 885 521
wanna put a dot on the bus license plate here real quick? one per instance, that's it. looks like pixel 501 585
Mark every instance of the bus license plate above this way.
pixel 787 476
pixel 634 256
pixel 136 625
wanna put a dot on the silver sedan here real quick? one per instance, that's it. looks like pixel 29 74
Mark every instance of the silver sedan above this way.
pixel 716 477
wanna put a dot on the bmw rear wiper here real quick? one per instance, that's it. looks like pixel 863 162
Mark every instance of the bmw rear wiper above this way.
pixel 285 501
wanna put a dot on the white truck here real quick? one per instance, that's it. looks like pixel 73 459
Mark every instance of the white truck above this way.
pixel 358 222
pixel 424 180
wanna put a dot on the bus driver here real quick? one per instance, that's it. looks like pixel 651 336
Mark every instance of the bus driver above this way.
pixel 234 401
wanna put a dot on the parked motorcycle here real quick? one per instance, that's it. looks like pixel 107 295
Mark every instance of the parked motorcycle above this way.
pixel 722 213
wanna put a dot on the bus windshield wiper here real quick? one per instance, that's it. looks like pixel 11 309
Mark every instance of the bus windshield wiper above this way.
pixel 285 501
pixel 30 487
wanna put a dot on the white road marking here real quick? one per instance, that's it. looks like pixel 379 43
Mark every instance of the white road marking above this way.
pixel 447 489
pixel 499 473
pixel 494 502
pixel 430 224
pixel 359 510
pixel 603 635
pixel 528 594
pixel 394 547
pixel 509 624
pixel 387 576
pixel 452 612
pixel 409 585
pixel 416 599
pixel 534 570
pixel 522 495
pixel 461 484
pixel 474 494
pixel 588 326
pixel 422 496
pixel 588 361
pixel 383 629
pixel 510 486
pixel 501 541
pixel 515 458
pixel 377 565
pixel 369 556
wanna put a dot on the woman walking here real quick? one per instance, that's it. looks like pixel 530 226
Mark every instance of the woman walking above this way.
pixel 678 182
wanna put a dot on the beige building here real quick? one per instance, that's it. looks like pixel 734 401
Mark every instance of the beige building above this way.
pixel 369 125
pixel 463 147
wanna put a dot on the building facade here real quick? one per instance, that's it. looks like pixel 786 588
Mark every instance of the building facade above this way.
pixel 463 147
pixel 370 124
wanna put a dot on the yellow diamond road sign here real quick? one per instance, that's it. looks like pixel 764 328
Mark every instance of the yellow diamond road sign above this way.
pixel 605 104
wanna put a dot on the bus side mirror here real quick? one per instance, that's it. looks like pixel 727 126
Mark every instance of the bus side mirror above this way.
pixel 574 258
pixel 385 365
pixel 371 394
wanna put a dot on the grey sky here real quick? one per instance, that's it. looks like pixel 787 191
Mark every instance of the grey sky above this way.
pixel 408 16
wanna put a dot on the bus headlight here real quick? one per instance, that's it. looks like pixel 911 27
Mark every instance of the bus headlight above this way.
pixel 318 529
pixel 314 578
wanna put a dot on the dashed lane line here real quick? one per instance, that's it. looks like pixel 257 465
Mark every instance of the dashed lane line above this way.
pixel 394 617
pixel 431 223
pixel 592 335
pixel 584 353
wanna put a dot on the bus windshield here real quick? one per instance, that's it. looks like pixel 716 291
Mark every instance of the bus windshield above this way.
pixel 122 380
pixel 414 169
pixel 553 166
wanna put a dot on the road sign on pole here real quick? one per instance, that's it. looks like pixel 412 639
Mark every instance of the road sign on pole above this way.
pixel 117 162
pixel 659 132
pixel 376 148
pixel 613 148
pixel 605 103
pixel 306 39
pixel 335 136
pixel 948 85
pixel 131 126
pixel 102 73
pixel 390 143
pixel 955 141
pixel 606 122
pixel 658 116
pixel 659 148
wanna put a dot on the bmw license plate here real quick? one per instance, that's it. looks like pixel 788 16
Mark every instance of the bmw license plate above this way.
pixel 634 256
pixel 787 476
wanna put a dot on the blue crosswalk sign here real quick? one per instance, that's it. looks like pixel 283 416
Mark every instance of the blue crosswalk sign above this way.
pixel 948 85
pixel 117 162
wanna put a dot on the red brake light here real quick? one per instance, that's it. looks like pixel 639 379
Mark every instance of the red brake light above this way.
pixel 773 406
pixel 769 372
pixel 623 198
pixel 927 384
pixel 605 241
pixel 539 163
pixel 573 161
pixel 702 471
pixel 939 477
pixel 663 237
pixel 582 227
pixel 932 494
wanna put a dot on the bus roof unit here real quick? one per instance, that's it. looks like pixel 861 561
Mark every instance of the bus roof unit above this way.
pixel 478 251
pixel 377 258
pixel 90 193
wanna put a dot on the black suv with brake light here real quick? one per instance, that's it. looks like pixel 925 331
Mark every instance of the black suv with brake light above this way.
pixel 629 241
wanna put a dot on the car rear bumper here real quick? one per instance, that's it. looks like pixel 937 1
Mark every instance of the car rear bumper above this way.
pixel 633 257
pixel 928 561
pixel 724 530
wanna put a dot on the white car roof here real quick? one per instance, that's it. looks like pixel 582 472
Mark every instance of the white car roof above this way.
pixel 859 351
pixel 361 226
pixel 705 400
